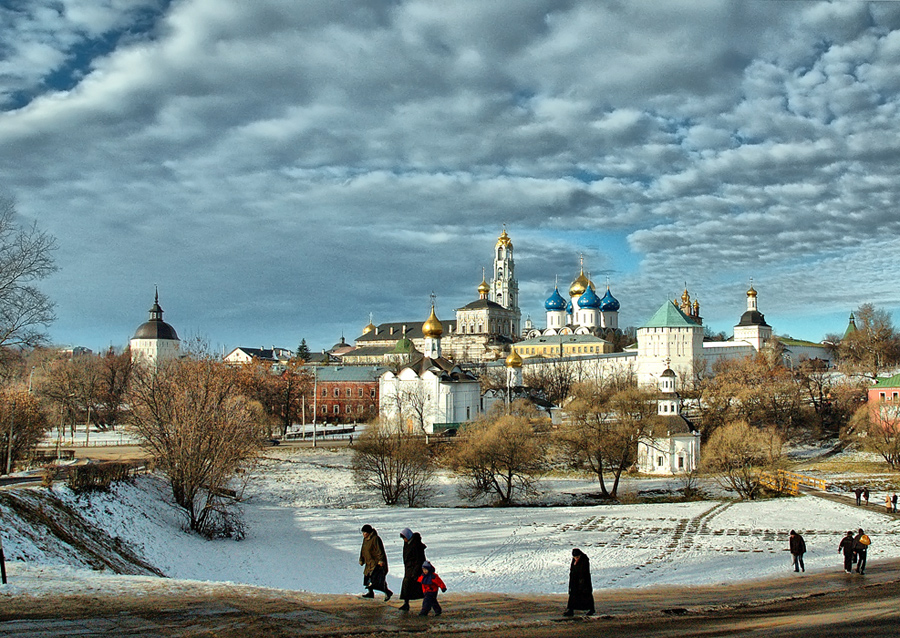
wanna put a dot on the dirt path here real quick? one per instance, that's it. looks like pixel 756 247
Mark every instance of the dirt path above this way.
pixel 817 605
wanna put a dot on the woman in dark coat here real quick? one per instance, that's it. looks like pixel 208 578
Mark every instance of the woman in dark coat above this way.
pixel 581 591
pixel 413 557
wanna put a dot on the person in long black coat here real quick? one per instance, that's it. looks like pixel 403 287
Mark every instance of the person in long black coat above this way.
pixel 413 557
pixel 581 591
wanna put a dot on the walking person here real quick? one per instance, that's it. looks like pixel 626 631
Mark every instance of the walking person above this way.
pixel 581 591
pixel 894 502
pixel 846 546
pixel 866 496
pixel 798 548
pixel 413 559
pixel 374 560
pixel 858 493
pixel 431 583
pixel 861 545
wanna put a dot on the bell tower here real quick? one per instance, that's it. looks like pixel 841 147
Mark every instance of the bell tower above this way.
pixel 504 287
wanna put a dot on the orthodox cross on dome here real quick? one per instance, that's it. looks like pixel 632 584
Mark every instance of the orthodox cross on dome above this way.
pixel 433 298
pixel 370 317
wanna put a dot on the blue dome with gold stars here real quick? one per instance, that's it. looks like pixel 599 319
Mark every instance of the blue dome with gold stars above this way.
pixel 589 299
pixel 555 302
pixel 609 303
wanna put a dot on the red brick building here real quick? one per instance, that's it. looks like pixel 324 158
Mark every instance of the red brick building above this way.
pixel 345 394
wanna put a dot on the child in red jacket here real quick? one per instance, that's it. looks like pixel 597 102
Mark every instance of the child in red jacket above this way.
pixel 431 582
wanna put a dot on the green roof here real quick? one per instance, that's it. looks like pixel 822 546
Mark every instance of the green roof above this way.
pixel 670 316
pixel 888 382
pixel 788 341
pixel 851 326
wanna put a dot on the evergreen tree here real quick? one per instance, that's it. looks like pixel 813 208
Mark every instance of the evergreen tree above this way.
pixel 303 350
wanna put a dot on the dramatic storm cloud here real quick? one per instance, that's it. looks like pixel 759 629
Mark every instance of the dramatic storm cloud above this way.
pixel 283 168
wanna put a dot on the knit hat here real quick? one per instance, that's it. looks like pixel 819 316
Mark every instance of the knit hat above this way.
pixel 406 533
pixel 366 529
pixel 428 566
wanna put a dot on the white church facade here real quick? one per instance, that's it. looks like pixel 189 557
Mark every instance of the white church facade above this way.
pixel 430 393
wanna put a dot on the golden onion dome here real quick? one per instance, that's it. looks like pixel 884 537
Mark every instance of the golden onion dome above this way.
pixel 483 288
pixel 432 327
pixel 369 328
pixel 686 297
pixel 579 285
pixel 504 240
pixel 513 360
pixel 751 292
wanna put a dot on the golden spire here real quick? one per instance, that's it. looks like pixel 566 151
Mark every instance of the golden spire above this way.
pixel 432 326
pixel 504 239
pixel 483 288
pixel 513 360
pixel 369 328
pixel 581 282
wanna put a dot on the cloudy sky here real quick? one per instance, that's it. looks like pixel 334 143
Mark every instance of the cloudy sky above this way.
pixel 283 168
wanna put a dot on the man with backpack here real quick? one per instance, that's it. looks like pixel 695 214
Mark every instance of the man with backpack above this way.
pixel 861 544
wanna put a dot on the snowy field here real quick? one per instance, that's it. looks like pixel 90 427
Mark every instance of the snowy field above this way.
pixel 304 511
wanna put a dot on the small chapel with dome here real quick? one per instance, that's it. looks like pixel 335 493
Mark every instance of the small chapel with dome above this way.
pixel 154 340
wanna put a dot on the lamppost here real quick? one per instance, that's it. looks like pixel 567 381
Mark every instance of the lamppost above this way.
pixel 315 404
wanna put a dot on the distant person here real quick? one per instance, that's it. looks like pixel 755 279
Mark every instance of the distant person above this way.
pixel 431 583
pixel 861 545
pixel 798 548
pixel 858 492
pixel 581 591
pixel 866 496
pixel 846 546
pixel 413 559
pixel 894 503
pixel 375 563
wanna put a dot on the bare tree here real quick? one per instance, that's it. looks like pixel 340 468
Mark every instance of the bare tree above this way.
pixel 877 427
pixel 395 463
pixel 115 376
pixel 875 345
pixel 607 418
pixel 499 458
pixel 200 430
pixel 22 425
pixel 281 390
pixel 554 378
pixel 738 455
pixel 25 258
pixel 75 384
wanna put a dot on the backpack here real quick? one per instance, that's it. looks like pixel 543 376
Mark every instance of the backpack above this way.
pixel 865 540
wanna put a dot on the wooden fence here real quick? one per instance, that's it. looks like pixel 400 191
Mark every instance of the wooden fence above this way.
pixel 790 482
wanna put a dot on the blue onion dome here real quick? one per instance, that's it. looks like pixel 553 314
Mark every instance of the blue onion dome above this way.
pixel 609 303
pixel 555 302
pixel 589 298
pixel 569 308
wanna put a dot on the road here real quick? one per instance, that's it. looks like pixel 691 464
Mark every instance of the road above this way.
pixel 815 605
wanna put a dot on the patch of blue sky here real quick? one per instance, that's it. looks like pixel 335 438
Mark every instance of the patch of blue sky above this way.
pixel 80 57
pixel 609 246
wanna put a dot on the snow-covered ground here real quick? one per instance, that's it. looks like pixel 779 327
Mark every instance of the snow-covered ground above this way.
pixel 304 511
